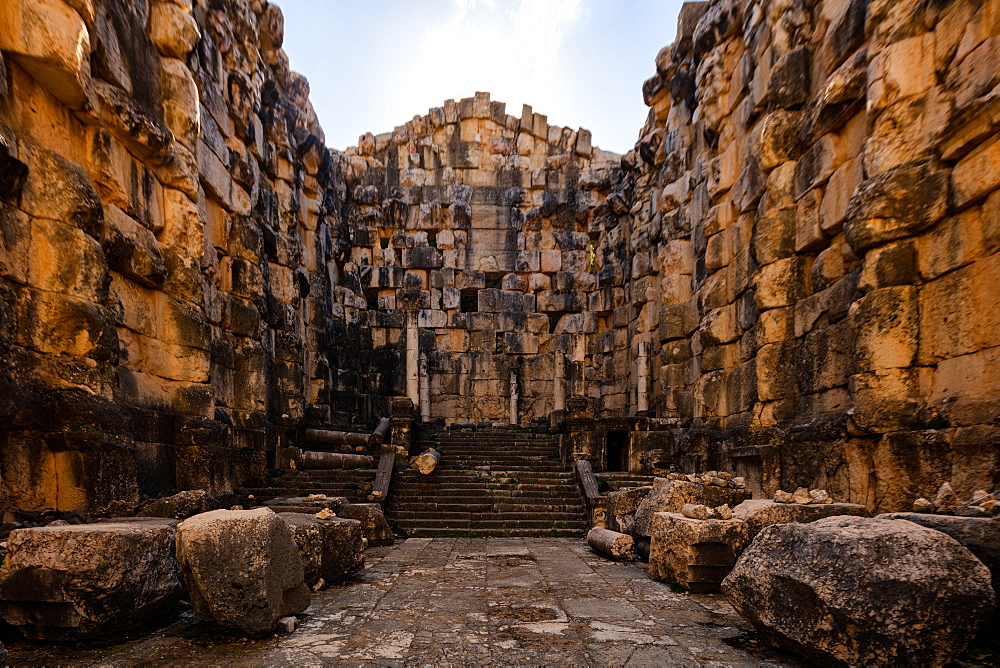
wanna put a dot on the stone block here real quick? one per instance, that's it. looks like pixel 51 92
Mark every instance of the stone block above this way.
pixel 781 283
pixel 520 343
pixel 331 549
pixel 51 41
pixel 173 30
pixel 669 496
pixel 976 175
pixel 896 204
pixel 132 249
pixel 697 554
pixel 887 328
pixel 63 583
pixel 760 513
pixel 242 569
pixel 373 524
pixel 904 594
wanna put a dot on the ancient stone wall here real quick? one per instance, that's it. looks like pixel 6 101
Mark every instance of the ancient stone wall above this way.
pixel 474 238
pixel 172 295
pixel 794 275
pixel 809 267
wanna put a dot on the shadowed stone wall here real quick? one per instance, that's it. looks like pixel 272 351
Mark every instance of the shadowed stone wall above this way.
pixel 172 295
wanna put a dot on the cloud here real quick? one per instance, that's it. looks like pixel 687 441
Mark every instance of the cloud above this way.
pixel 511 48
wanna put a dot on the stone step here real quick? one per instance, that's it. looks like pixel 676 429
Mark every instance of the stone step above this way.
pixel 491 524
pixel 540 515
pixel 489 507
pixel 425 532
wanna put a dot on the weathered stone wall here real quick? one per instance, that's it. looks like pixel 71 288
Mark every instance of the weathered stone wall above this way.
pixel 810 261
pixel 794 275
pixel 474 236
pixel 172 296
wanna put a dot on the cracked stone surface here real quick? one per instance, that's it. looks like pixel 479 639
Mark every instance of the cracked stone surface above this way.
pixel 467 601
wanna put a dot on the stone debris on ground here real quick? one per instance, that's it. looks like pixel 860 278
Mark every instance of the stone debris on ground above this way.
pixel 946 502
pixel 470 601
pixel 803 495
pixel 696 553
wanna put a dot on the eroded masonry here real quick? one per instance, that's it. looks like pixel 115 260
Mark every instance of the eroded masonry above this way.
pixel 792 276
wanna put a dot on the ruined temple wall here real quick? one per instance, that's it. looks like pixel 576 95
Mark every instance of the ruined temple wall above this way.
pixel 810 259
pixel 172 300
pixel 479 230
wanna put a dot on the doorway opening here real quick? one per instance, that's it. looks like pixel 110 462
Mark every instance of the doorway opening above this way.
pixel 616 451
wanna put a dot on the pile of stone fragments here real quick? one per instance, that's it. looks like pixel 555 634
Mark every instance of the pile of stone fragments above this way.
pixel 822 579
pixel 246 570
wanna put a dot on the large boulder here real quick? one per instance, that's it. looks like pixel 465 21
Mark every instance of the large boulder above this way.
pixel 373 523
pixel 760 513
pixel 179 506
pixel 330 549
pixel 670 496
pixel 81 581
pixel 242 569
pixel 697 554
pixel 859 591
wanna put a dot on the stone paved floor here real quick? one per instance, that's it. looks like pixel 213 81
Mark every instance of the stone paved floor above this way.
pixel 467 601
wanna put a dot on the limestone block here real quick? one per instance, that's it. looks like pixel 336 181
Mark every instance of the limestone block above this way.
pixel 780 283
pixel 373 524
pixel 697 554
pixel 51 41
pixel 789 80
pixel 776 138
pixel 66 325
pixel 837 195
pixel 241 568
pixel 760 513
pixel 218 182
pixel 80 581
pixel 179 506
pixel 498 301
pixel 904 593
pixel 900 70
pixel 520 343
pixel 977 174
pixel 132 249
pixel 888 327
pixel 899 203
pixel 818 163
pixel 64 259
pixel 775 235
pixel 181 107
pixel 622 505
pixel 331 549
pixel 958 312
pixel 173 30
pixel 885 400
pixel 422 257
pixel 58 189
pixel 669 496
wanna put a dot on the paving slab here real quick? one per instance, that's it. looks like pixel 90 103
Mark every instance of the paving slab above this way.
pixel 464 601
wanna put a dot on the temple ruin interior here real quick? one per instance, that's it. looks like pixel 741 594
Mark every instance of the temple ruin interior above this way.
pixel 757 354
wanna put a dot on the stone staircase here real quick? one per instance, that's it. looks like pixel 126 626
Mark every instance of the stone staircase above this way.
pixel 621 480
pixel 355 484
pixel 491 482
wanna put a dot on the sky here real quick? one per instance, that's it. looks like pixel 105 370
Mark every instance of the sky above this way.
pixel 374 64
